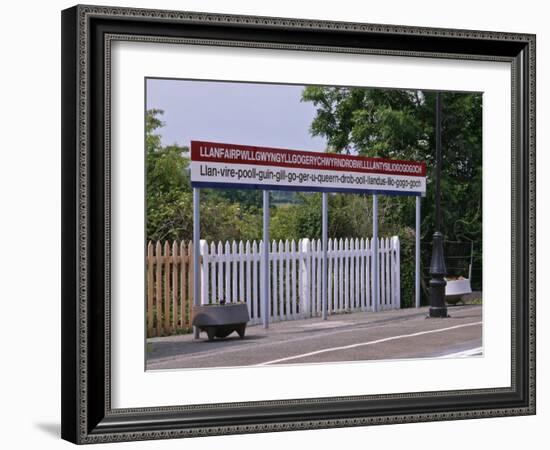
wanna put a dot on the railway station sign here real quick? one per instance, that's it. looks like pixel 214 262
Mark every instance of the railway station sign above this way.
pixel 221 165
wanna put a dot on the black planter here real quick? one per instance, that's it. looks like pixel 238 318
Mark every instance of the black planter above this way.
pixel 219 320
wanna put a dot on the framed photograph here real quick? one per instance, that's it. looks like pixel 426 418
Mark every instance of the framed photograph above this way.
pixel 279 224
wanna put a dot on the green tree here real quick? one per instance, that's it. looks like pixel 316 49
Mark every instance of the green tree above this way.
pixel 225 215
pixel 401 124
pixel 168 191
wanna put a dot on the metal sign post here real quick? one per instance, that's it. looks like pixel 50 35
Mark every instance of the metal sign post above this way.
pixel 265 262
pixel 417 256
pixel 374 249
pixel 324 233
pixel 196 253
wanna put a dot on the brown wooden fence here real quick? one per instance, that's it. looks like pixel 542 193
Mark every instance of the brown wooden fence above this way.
pixel 169 287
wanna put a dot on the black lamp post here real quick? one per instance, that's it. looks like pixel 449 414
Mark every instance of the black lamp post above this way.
pixel 437 267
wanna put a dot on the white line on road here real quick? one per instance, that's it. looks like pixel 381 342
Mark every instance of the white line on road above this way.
pixel 464 353
pixel 256 346
pixel 361 344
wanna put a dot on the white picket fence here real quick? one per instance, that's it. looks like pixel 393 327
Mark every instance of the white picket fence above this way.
pixel 231 271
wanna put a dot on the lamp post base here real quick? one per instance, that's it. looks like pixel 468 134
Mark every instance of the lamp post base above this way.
pixel 437 282
pixel 437 297
pixel 437 312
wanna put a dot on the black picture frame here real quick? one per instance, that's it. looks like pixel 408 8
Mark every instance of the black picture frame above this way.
pixel 87 416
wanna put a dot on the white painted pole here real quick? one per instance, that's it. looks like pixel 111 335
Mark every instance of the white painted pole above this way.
pixel 324 293
pixel 375 276
pixel 417 256
pixel 305 300
pixel 196 253
pixel 265 262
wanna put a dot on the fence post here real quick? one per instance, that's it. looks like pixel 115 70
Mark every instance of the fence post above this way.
pixel 274 255
pixel 346 276
pixel 305 303
pixel 393 272
pixel 368 292
pixel 248 296
pixel 175 293
pixel 191 290
pixel 387 262
pixel 234 271
pixel 373 274
pixel 417 254
pixel 184 258
pixel 166 269
pixel 254 260
pixel 293 279
pixel 241 297
pixel 150 289
pixel 397 272
pixel 381 279
pixel 330 277
pixel 227 271
pixel 203 256
pixel 158 287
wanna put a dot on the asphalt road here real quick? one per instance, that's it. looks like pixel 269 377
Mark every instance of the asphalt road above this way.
pixel 397 334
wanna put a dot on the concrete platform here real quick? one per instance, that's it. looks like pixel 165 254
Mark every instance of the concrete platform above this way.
pixel 396 334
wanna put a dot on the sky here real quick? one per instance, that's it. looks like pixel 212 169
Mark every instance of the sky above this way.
pixel 265 115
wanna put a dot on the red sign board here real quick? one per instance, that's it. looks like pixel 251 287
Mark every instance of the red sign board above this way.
pixel 243 166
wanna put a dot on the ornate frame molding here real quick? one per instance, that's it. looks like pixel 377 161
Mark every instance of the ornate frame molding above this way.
pixel 86 421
